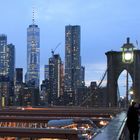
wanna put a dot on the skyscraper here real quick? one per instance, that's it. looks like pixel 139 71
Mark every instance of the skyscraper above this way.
pixel 19 75
pixel 7 58
pixel 3 42
pixel 18 86
pixel 55 79
pixel 33 55
pixel 72 62
pixel 83 75
pixel 7 68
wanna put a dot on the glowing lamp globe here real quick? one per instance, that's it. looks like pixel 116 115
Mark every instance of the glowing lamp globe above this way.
pixel 128 56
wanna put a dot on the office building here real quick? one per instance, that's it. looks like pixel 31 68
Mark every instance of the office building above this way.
pixel 29 96
pixel 3 40
pixel 83 75
pixel 7 68
pixel 55 79
pixel 72 63
pixel 44 94
pixel 7 61
pixel 19 75
pixel 5 89
pixel 33 55
pixel 18 85
pixel 7 58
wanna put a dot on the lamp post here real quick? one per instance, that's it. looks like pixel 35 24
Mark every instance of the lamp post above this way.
pixel 127 58
pixel 131 93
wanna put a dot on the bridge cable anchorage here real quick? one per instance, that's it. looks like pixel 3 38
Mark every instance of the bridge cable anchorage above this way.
pixel 98 87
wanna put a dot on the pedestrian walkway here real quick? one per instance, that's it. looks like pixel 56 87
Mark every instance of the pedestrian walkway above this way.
pixel 114 129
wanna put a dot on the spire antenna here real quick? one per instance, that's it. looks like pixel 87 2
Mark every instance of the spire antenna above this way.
pixel 33 15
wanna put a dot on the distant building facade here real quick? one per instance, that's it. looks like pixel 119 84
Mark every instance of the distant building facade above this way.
pixel 29 96
pixel 46 72
pixel 5 91
pixel 45 92
pixel 3 40
pixel 19 75
pixel 72 63
pixel 18 85
pixel 7 61
pixel 83 75
pixel 55 79
pixel 7 68
pixel 33 55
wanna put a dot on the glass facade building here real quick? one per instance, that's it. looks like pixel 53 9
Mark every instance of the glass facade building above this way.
pixel 55 79
pixel 3 42
pixel 7 68
pixel 72 61
pixel 33 55
pixel 7 58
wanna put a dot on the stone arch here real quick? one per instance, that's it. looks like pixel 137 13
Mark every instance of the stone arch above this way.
pixel 115 66
pixel 119 81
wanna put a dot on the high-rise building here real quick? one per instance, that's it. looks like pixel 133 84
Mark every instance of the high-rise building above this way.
pixel 7 61
pixel 83 75
pixel 44 93
pixel 3 40
pixel 7 68
pixel 18 85
pixel 5 90
pixel 19 75
pixel 72 62
pixel 33 55
pixel 29 96
pixel 55 79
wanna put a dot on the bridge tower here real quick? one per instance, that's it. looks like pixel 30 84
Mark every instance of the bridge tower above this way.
pixel 114 68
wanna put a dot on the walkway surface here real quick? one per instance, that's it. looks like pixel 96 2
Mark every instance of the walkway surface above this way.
pixel 111 131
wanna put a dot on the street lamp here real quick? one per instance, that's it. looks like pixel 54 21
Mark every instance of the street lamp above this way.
pixel 127 52
pixel 131 92
pixel 127 58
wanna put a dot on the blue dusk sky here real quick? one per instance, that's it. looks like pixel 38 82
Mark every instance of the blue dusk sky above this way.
pixel 105 25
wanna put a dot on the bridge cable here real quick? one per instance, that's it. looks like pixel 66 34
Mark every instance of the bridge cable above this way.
pixel 103 77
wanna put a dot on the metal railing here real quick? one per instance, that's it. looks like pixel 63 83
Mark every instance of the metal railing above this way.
pixel 123 133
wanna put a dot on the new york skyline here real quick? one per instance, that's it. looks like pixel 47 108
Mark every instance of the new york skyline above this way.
pixel 104 27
